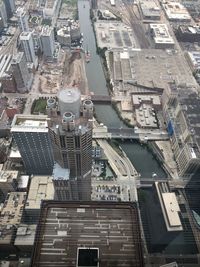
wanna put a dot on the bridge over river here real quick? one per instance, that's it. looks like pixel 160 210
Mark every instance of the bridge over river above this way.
pixel 102 132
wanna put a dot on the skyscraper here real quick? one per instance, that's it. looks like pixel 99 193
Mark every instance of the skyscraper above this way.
pixel 10 7
pixel 31 135
pixel 3 15
pixel 47 41
pixel 22 19
pixel 71 135
pixel 26 40
pixel 20 72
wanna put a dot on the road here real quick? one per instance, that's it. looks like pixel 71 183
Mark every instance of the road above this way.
pixel 123 168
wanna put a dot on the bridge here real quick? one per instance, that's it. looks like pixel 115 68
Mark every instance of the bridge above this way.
pixel 103 132
pixel 101 99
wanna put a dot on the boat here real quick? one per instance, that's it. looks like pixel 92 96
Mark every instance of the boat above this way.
pixel 87 56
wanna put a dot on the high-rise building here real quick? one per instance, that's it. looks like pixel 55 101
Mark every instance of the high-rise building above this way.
pixel 27 44
pixel 10 7
pixel 22 19
pixel 3 15
pixel 31 135
pixel 47 41
pixel 20 72
pixel 96 234
pixel 71 135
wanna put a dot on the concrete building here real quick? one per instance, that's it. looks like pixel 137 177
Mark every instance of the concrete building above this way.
pixel 20 72
pixel 3 15
pixel 26 40
pixel 175 11
pixel 194 61
pixel 50 8
pixel 63 36
pixel 188 33
pixel 169 206
pixel 7 238
pixel 41 188
pixel 145 108
pixel 71 136
pixel 181 110
pixel 12 210
pixel 150 10
pixel 10 7
pixel 47 41
pixel 6 78
pixel 31 135
pixel 22 19
pixel 88 244
pixel 8 181
pixel 161 36
pixel 25 236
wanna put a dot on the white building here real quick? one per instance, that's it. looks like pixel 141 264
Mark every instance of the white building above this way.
pixel 175 11
pixel 26 40
pixel 161 37
pixel 47 41
pixel 22 19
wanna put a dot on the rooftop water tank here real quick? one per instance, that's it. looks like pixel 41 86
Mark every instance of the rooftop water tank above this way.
pixel 51 103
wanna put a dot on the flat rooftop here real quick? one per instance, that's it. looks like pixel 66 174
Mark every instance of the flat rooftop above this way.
pixel 161 33
pixel 111 228
pixel 170 207
pixel 150 9
pixel 29 123
pixel 41 188
pixel 25 36
pixel 11 212
pixel 175 11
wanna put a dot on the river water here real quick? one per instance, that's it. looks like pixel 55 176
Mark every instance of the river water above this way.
pixel 139 155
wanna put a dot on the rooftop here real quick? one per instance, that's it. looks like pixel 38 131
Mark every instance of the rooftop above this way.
pixel 30 123
pixel 170 207
pixel 175 11
pixel 41 188
pixel 150 9
pixel 7 176
pixel 46 31
pixel 25 36
pixel 11 212
pixel 111 229
pixel 161 33
pixel 25 235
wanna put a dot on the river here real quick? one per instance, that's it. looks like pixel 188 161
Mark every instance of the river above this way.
pixel 139 155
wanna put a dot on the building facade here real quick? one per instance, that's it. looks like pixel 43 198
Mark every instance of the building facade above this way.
pixel 47 41
pixel 22 19
pixel 71 135
pixel 31 135
pixel 27 44
pixel 20 72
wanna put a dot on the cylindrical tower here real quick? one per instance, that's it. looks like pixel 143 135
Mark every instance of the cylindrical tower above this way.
pixel 51 103
pixel 68 121
pixel 87 109
pixel 69 100
pixel 51 107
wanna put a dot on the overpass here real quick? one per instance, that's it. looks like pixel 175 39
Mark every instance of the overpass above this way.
pixel 127 133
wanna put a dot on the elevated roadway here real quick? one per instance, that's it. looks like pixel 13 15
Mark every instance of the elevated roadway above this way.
pixel 102 132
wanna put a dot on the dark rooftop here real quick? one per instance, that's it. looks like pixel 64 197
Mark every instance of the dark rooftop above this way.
pixel 109 231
